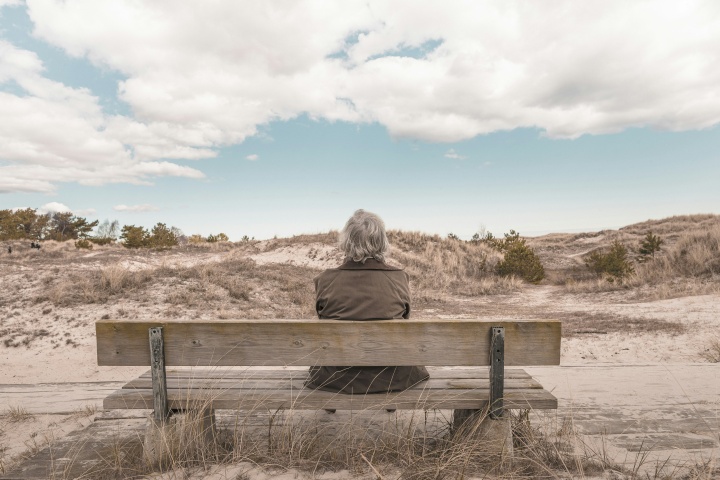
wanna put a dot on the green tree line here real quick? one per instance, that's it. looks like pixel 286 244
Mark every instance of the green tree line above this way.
pixel 28 224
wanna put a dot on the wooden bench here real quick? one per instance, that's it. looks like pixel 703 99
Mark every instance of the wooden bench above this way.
pixel 209 345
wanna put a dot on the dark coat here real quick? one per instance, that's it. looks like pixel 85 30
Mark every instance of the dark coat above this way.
pixel 369 291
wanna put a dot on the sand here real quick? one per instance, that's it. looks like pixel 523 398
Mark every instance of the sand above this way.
pixel 46 343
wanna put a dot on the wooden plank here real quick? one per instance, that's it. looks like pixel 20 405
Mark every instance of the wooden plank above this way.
pixel 328 342
pixel 287 374
pixel 307 399
pixel 275 384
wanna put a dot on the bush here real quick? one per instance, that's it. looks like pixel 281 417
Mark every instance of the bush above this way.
pixel 522 261
pixel 614 263
pixel 83 243
pixel 102 240
pixel 134 237
pixel 649 245
pixel 220 237
pixel 162 237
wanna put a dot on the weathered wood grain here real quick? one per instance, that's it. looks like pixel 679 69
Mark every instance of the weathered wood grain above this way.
pixel 254 373
pixel 275 384
pixel 328 342
pixel 306 399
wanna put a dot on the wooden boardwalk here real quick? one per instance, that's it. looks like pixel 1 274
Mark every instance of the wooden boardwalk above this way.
pixel 625 414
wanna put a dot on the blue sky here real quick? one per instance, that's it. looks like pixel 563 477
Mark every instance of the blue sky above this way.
pixel 258 120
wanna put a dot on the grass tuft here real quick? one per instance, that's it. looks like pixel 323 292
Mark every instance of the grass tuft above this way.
pixel 17 414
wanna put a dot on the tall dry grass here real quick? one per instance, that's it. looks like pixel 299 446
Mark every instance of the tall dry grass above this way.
pixel 688 266
pixel 438 268
pixel 402 446
pixel 443 266
pixel 93 286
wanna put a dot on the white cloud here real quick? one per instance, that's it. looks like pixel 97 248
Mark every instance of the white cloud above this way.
pixel 54 207
pixel 199 76
pixel 135 208
pixel 253 157
pixel 56 133
pixel 454 155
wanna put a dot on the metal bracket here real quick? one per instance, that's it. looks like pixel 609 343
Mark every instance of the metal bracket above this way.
pixel 157 370
pixel 497 371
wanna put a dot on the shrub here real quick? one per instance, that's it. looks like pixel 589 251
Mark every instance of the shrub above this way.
pixel 196 238
pixel 220 237
pixel 162 237
pixel 102 240
pixel 649 245
pixel 614 263
pixel 519 259
pixel 83 243
pixel 501 244
pixel 522 261
pixel 134 237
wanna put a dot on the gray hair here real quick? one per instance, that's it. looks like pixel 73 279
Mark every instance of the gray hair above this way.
pixel 364 237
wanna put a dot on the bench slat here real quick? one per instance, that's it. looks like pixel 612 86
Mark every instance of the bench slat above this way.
pixel 307 399
pixel 328 342
pixel 276 384
pixel 287 374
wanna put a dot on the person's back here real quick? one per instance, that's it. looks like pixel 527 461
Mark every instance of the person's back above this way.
pixel 363 288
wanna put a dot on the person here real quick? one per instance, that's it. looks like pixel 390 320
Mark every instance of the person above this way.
pixel 364 287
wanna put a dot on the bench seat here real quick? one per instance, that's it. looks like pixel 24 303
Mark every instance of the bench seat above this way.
pixel 272 389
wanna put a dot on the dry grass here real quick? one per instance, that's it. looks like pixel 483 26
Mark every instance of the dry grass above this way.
pixel 405 447
pixel 93 286
pixel 688 265
pixel 711 353
pixel 18 336
pixel 673 225
pixel 329 238
pixel 440 267
pixel 270 291
pixel 17 414
pixel 236 286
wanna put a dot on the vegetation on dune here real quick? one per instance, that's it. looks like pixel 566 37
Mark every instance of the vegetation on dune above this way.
pixel 30 225
pixel 614 263
pixel 519 259
pixel 656 259
pixel 650 245
pixel 441 269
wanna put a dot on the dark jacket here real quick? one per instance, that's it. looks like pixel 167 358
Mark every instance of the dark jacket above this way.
pixel 369 291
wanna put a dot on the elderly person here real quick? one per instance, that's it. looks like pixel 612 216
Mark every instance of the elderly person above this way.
pixel 363 288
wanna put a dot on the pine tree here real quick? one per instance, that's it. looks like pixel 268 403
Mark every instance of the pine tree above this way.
pixel 614 263
pixel 650 244
pixel 134 237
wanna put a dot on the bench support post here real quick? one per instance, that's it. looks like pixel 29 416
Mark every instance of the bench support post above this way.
pixel 157 369
pixel 497 371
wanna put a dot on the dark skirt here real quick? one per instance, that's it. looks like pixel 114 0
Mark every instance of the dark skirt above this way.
pixel 361 380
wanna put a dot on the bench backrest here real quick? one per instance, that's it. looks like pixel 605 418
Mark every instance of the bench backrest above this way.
pixel 445 342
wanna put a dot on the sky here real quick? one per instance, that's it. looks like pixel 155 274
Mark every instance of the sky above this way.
pixel 282 118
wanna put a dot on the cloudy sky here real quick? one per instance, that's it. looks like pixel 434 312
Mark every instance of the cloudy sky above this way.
pixel 283 117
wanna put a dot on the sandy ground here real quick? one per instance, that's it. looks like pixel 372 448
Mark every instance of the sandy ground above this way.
pixel 73 357
pixel 44 343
